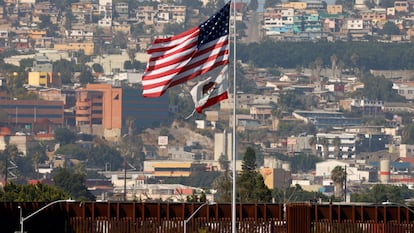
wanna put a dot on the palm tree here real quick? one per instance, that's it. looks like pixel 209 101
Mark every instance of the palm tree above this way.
pixel 333 65
pixel 336 142
pixel 312 143
pixel 338 176
pixel 325 143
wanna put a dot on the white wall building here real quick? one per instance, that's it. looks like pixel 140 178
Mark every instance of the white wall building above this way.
pixel 353 174
pixel 346 145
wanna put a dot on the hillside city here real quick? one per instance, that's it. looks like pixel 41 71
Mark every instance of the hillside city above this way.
pixel 70 100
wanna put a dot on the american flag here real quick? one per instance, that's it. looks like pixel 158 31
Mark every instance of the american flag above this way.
pixel 182 57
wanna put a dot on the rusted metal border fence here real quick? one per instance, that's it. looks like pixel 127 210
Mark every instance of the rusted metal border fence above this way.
pixel 117 217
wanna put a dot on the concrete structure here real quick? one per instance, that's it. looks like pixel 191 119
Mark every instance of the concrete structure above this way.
pixel 384 173
pixel 223 145
pixel 22 142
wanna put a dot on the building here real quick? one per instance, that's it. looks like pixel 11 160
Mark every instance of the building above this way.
pixel 21 141
pixel 105 110
pixel 261 112
pixel 401 6
pixel 86 47
pixel 367 107
pixel 171 168
pixel 356 173
pixel 345 149
pixel 99 110
pixel 25 114
pixel 334 9
pixel 325 119
pixel 41 74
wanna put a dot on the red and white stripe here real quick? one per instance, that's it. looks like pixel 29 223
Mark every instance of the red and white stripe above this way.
pixel 176 60
pixel 202 101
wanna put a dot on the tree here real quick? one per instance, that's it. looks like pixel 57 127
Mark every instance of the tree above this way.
pixel 72 150
pixel 295 194
pixel 249 160
pixel 223 184
pixel 73 184
pixel 10 153
pixel 390 29
pixel 383 192
pixel 333 64
pixel 37 153
pixel 251 187
pixel 338 176
pixel 336 142
pixel 318 67
pixel 195 4
pixel 271 3
pixel 312 142
pixel 253 5
pixel 86 77
pixel 97 68
pixel 378 88
pixel 289 101
pixel 325 144
pixel 348 5
pixel 63 69
pixel 64 136
pixel 31 193
pixel 408 134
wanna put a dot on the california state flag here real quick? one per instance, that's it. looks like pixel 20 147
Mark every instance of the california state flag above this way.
pixel 210 91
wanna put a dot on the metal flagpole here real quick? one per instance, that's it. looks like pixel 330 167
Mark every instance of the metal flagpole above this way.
pixel 233 203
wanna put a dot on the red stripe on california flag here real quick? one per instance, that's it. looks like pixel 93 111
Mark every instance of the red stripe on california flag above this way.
pixel 212 101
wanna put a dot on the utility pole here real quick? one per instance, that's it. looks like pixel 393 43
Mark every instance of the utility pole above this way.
pixel 345 185
pixel 125 174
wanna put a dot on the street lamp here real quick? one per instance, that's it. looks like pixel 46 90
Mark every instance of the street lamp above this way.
pixel 194 213
pixel 22 219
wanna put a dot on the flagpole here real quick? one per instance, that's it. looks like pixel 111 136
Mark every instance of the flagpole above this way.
pixel 233 213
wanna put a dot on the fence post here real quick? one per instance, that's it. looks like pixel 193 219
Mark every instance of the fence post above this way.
pixel 298 217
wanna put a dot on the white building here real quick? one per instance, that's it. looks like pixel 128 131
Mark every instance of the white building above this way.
pixel 346 145
pixel 355 24
pixel 353 173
